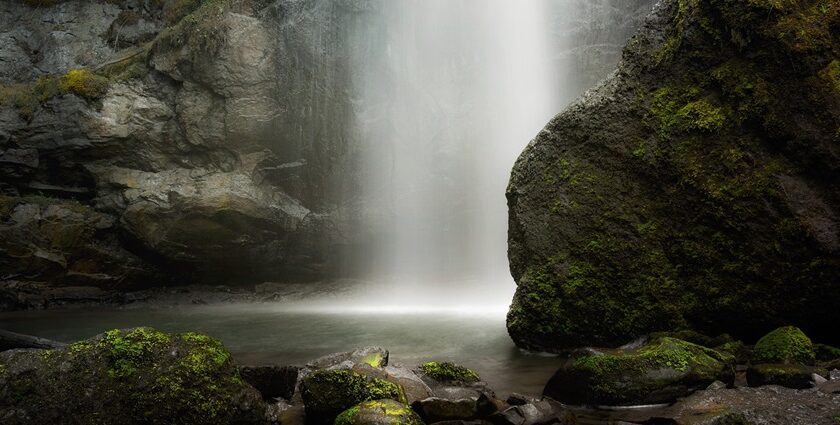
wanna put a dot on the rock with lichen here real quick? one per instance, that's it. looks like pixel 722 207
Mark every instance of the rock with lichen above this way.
pixel 658 372
pixel 133 376
pixel 328 392
pixel 695 188
pixel 379 412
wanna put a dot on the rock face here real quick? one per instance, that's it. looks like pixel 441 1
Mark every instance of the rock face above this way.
pixel 696 188
pixel 156 137
pixel 134 376
pixel 208 141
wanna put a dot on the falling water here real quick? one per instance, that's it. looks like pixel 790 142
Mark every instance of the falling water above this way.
pixel 449 93
pixel 459 89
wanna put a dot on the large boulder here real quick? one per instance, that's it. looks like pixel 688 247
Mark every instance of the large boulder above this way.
pixel 135 376
pixel 660 371
pixel 695 188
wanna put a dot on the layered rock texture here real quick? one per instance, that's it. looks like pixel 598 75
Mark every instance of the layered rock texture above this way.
pixel 696 188
pixel 146 143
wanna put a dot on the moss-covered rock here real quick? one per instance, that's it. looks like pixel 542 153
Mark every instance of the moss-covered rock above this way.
pixel 784 345
pixel 135 376
pixel 697 188
pixel 786 375
pixel 660 371
pixel 447 372
pixel 379 412
pixel 327 393
pixel 826 353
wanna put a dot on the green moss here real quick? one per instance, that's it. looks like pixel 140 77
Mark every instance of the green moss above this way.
pixel 346 417
pixel 129 350
pixel 374 360
pixel 327 393
pixel 200 27
pixel 831 74
pixel 379 411
pixel 784 345
pixel 27 97
pixel 619 376
pixel 448 372
pixel 83 83
pixel 826 353
pixel 144 376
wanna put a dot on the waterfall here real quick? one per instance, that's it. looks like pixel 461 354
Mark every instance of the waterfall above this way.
pixel 449 92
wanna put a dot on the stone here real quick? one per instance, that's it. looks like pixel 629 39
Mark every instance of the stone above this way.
pixel 784 345
pixel 650 204
pixel 327 393
pixel 271 381
pixel 136 376
pixel 786 375
pixel 372 356
pixel 379 412
pixel 659 372
pixel 434 409
pixel 538 412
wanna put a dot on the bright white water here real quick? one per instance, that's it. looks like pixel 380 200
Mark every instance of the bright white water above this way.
pixel 451 92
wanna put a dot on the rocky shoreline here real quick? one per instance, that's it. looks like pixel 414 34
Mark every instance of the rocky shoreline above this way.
pixel 141 375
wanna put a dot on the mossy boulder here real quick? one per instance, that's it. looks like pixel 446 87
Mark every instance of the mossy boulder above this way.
pixel 448 372
pixel 136 376
pixel 697 188
pixel 784 345
pixel 661 371
pixel 786 375
pixel 327 393
pixel 826 353
pixel 379 412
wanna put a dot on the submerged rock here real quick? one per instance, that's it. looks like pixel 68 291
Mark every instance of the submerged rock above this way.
pixel 659 372
pixel 135 376
pixel 379 412
pixel 697 187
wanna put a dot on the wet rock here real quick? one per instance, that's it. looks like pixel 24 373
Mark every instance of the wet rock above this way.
pixel 133 376
pixel 661 371
pixel 625 195
pixel 372 356
pixel 786 375
pixel 538 412
pixel 436 409
pixel 64 242
pixel 327 393
pixel 451 381
pixel 271 381
pixel 414 387
pixel 830 387
pixel 379 412
pixel 516 399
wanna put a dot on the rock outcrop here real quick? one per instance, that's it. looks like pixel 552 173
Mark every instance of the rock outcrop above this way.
pixel 148 143
pixel 695 188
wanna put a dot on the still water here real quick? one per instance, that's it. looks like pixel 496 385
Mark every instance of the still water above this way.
pixel 280 333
